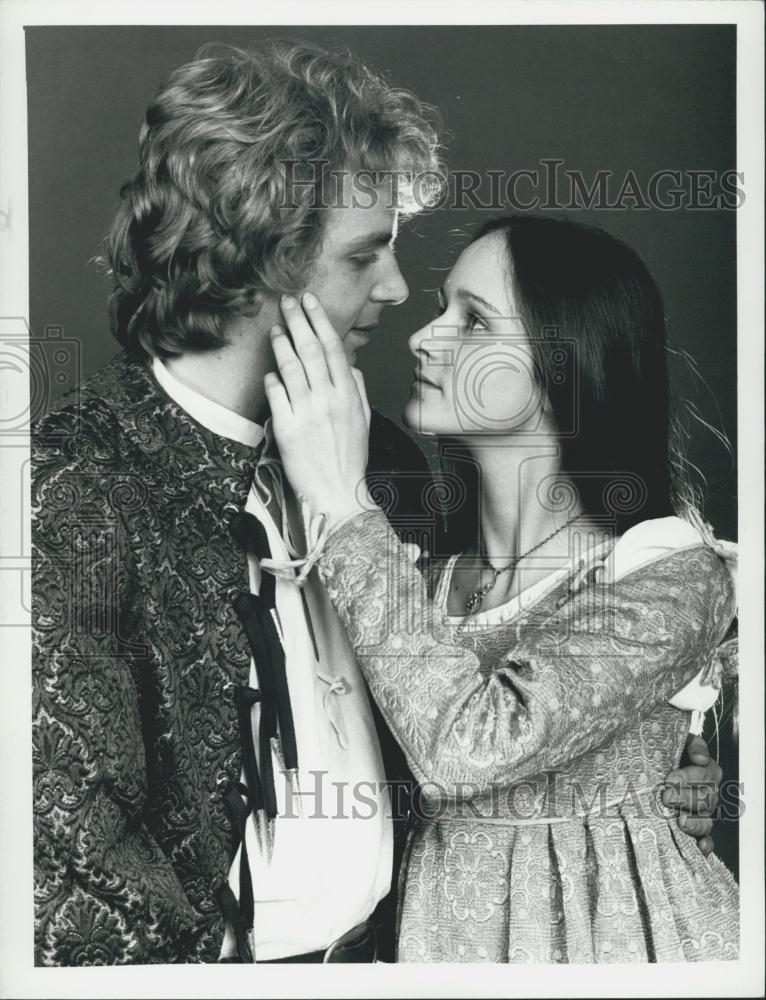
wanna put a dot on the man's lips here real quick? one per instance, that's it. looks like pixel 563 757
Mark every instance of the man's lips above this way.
pixel 361 334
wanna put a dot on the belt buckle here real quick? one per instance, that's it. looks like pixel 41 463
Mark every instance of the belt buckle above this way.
pixel 355 934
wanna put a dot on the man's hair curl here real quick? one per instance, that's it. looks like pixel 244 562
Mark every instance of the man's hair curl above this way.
pixel 227 202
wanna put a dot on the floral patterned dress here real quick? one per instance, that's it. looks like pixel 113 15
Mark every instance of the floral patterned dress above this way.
pixel 540 745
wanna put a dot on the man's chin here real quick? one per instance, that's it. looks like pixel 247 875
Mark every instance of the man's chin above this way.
pixel 353 342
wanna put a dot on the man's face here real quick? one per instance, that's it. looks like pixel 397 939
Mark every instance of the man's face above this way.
pixel 356 273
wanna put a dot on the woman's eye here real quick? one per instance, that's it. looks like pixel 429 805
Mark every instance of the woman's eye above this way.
pixel 476 323
pixel 473 323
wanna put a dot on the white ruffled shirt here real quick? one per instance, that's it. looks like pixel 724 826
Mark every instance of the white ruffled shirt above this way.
pixel 331 864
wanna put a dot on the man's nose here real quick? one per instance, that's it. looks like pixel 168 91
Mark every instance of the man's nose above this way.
pixel 392 288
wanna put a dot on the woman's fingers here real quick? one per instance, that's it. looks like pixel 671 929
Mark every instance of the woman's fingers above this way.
pixel 279 404
pixel 332 346
pixel 289 364
pixel 308 348
pixel 314 367
pixel 362 389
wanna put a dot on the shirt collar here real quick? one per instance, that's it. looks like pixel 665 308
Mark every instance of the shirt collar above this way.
pixel 215 417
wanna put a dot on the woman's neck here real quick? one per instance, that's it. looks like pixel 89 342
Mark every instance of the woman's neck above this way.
pixel 520 484
pixel 525 504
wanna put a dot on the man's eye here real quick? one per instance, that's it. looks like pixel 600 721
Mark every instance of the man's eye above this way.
pixel 364 260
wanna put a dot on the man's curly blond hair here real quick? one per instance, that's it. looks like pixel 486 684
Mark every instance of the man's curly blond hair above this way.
pixel 228 203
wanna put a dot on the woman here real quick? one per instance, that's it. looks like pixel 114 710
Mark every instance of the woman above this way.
pixel 532 696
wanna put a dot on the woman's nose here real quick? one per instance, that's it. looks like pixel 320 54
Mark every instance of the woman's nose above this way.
pixel 418 341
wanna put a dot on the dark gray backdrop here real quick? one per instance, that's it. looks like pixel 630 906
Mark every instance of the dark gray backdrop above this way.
pixel 618 98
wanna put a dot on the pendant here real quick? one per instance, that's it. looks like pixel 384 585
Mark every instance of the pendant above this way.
pixel 473 602
pixel 475 599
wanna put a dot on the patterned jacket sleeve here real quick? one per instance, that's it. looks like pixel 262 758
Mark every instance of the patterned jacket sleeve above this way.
pixel 104 891
pixel 591 669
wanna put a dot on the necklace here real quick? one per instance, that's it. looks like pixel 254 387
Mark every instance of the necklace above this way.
pixel 477 596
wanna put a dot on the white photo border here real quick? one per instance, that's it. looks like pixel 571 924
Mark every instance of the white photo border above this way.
pixel 18 976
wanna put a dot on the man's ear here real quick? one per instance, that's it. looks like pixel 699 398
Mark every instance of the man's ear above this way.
pixel 260 300
pixel 254 319
pixel 262 305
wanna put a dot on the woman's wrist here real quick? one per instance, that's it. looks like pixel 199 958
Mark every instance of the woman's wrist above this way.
pixel 345 508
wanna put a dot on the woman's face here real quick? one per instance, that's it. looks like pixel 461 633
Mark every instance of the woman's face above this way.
pixel 475 373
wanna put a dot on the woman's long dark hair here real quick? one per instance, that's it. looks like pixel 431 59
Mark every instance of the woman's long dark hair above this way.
pixel 594 317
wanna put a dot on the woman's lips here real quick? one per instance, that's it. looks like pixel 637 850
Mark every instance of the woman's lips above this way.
pixel 418 379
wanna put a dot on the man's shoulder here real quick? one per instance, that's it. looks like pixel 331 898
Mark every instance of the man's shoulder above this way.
pixel 85 427
pixel 87 466
pixel 398 474
pixel 92 400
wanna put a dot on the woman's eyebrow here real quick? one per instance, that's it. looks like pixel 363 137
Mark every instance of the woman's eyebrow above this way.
pixel 463 293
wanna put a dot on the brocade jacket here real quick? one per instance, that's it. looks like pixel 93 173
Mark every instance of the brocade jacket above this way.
pixel 137 651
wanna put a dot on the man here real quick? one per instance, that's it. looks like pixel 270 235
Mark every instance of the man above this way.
pixel 186 657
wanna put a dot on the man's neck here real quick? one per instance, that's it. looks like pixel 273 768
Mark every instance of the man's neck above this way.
pixel 232 375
